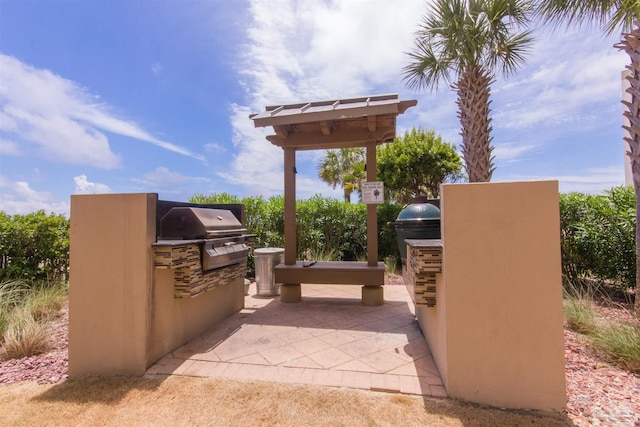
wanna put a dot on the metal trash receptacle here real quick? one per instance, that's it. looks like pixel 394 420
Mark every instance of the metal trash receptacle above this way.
pixel 266 259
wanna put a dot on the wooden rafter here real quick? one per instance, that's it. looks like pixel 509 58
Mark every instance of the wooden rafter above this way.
pixel 283 131
pixel 371 123
pixel 326 126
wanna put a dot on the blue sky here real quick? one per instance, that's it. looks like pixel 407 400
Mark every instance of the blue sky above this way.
pixel 154 96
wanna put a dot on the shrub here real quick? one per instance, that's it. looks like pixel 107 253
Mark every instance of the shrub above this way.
pixel 34 247
pixel 598 237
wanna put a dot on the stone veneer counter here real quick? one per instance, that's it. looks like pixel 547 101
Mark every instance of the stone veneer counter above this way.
pixel 185 259
pixel 424 261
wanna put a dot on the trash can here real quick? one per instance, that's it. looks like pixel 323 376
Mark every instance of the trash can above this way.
pixel 266 259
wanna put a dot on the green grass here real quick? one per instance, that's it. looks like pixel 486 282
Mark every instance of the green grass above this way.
pixel 390 264
pixel 321 254
pixel 24 336
pixel 12 294
pixel 579 315
pixel 619 343
pixel 25 310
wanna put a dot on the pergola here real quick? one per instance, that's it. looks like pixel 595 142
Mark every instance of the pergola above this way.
pixel 342 123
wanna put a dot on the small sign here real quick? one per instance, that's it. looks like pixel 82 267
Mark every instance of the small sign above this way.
pixel 373 192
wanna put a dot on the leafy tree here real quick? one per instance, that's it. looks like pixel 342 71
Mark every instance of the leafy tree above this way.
pixel 417 164
pixel 344 167
pixel 463 43
pixel 613 16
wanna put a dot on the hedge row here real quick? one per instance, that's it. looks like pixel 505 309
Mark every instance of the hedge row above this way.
pixel 598 237
pixel 34 247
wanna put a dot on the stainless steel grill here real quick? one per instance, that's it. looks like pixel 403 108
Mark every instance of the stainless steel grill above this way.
pixel 223 241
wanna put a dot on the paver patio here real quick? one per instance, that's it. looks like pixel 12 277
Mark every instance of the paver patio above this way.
pixel 328 339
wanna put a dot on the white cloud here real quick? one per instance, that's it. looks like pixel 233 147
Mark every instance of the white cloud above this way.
pixel 17 197
pixel 213 147
pixel 9 147
pixel 593 180
pixel 310 50
pixel 258 166
pixel 511 152
pixel 156 69
pixel 568 79
pixel 84 186
pixel 62 118
pixel 167 181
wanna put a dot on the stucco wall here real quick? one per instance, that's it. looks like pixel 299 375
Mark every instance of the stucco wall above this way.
pixel 175 321
pixel 499 310
pixel 434 327
pixel 110 279
pixel 122 312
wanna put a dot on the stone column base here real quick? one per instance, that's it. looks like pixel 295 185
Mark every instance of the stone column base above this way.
pixel 290 292
pixel 372 295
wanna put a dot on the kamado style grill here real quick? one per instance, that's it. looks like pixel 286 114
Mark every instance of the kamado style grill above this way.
pixel 222 234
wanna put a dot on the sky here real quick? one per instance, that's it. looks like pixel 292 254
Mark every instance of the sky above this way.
pixel 125 96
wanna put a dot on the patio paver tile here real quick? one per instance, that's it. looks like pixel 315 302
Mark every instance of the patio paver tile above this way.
pixel 282 354
pixel 328 339
pixel 330 357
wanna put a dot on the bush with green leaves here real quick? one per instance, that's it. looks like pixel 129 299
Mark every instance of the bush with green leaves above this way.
pixel 325 226
pixel 34 246
pixel 598 237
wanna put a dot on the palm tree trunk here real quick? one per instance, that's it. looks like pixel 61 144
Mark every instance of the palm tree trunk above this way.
pixel 631 45
pixel 474 89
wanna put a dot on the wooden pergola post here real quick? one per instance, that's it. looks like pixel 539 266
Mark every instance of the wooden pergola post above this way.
pixel 290 206
pixel 372 210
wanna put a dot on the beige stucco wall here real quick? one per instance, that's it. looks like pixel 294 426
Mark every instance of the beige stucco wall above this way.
pixel 122 312
pixel 497 331
pixel 433 325
pixel 110 279
pixel 175 321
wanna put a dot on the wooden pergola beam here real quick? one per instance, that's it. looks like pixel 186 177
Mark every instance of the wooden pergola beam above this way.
pixel 345 138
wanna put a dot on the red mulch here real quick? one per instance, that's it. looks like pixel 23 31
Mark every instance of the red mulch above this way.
pixel 599 393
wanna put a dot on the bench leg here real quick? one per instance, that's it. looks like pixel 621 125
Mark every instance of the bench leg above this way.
pixel 290 292
pixel 372 295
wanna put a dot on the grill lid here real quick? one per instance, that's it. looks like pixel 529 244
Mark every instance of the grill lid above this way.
pixel 199 223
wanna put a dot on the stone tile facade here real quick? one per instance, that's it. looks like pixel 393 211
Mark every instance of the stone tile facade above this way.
pixel 423 263
pixel 189 279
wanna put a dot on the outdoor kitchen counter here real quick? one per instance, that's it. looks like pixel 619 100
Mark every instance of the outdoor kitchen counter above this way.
pixel 178 242
pixel 424 243
pixel 189 279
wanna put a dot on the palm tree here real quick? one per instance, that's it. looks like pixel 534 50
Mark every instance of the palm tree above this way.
pixel 344 167
pixel 463 43
pixel 613 16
